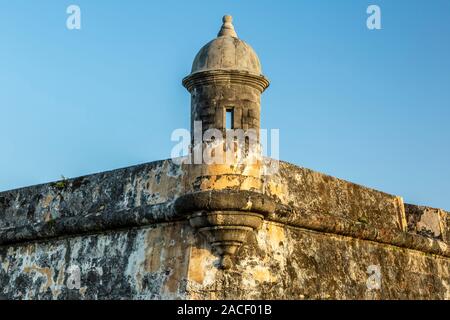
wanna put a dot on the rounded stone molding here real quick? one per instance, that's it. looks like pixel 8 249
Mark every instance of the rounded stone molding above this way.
pixel 225 200
pixel 203 78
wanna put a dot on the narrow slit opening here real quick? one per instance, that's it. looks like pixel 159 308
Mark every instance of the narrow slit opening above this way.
pixel 229 118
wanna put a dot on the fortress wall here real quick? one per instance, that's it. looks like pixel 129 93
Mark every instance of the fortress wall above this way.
pixel 121 230
pixel 311 192
pixel 139 263
pixel 282 262
pixel 131 196
pixel 169 261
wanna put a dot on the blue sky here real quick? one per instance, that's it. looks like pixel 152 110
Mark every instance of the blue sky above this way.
pixel 372 107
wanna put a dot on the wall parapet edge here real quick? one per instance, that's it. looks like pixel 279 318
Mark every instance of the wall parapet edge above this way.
pixel 165 212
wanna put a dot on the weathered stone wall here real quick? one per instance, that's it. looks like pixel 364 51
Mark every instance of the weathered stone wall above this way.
pixel 429 222
pixel 121 230
pixel 283 262
pixel 210 102
pixel 168 261
pixel 140 263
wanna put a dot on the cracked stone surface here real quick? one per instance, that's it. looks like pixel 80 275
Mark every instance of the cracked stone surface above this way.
pixel 128 242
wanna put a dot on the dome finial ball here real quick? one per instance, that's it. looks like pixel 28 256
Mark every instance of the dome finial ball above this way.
pixel 227 18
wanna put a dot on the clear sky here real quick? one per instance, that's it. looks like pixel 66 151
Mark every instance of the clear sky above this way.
pixel 372 107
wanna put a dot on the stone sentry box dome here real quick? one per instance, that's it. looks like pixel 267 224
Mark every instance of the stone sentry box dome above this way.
pixel 227 52
pixel 226 81
pixel 226 76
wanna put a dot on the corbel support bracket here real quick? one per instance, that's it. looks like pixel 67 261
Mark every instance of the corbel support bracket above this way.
pixel 225 217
